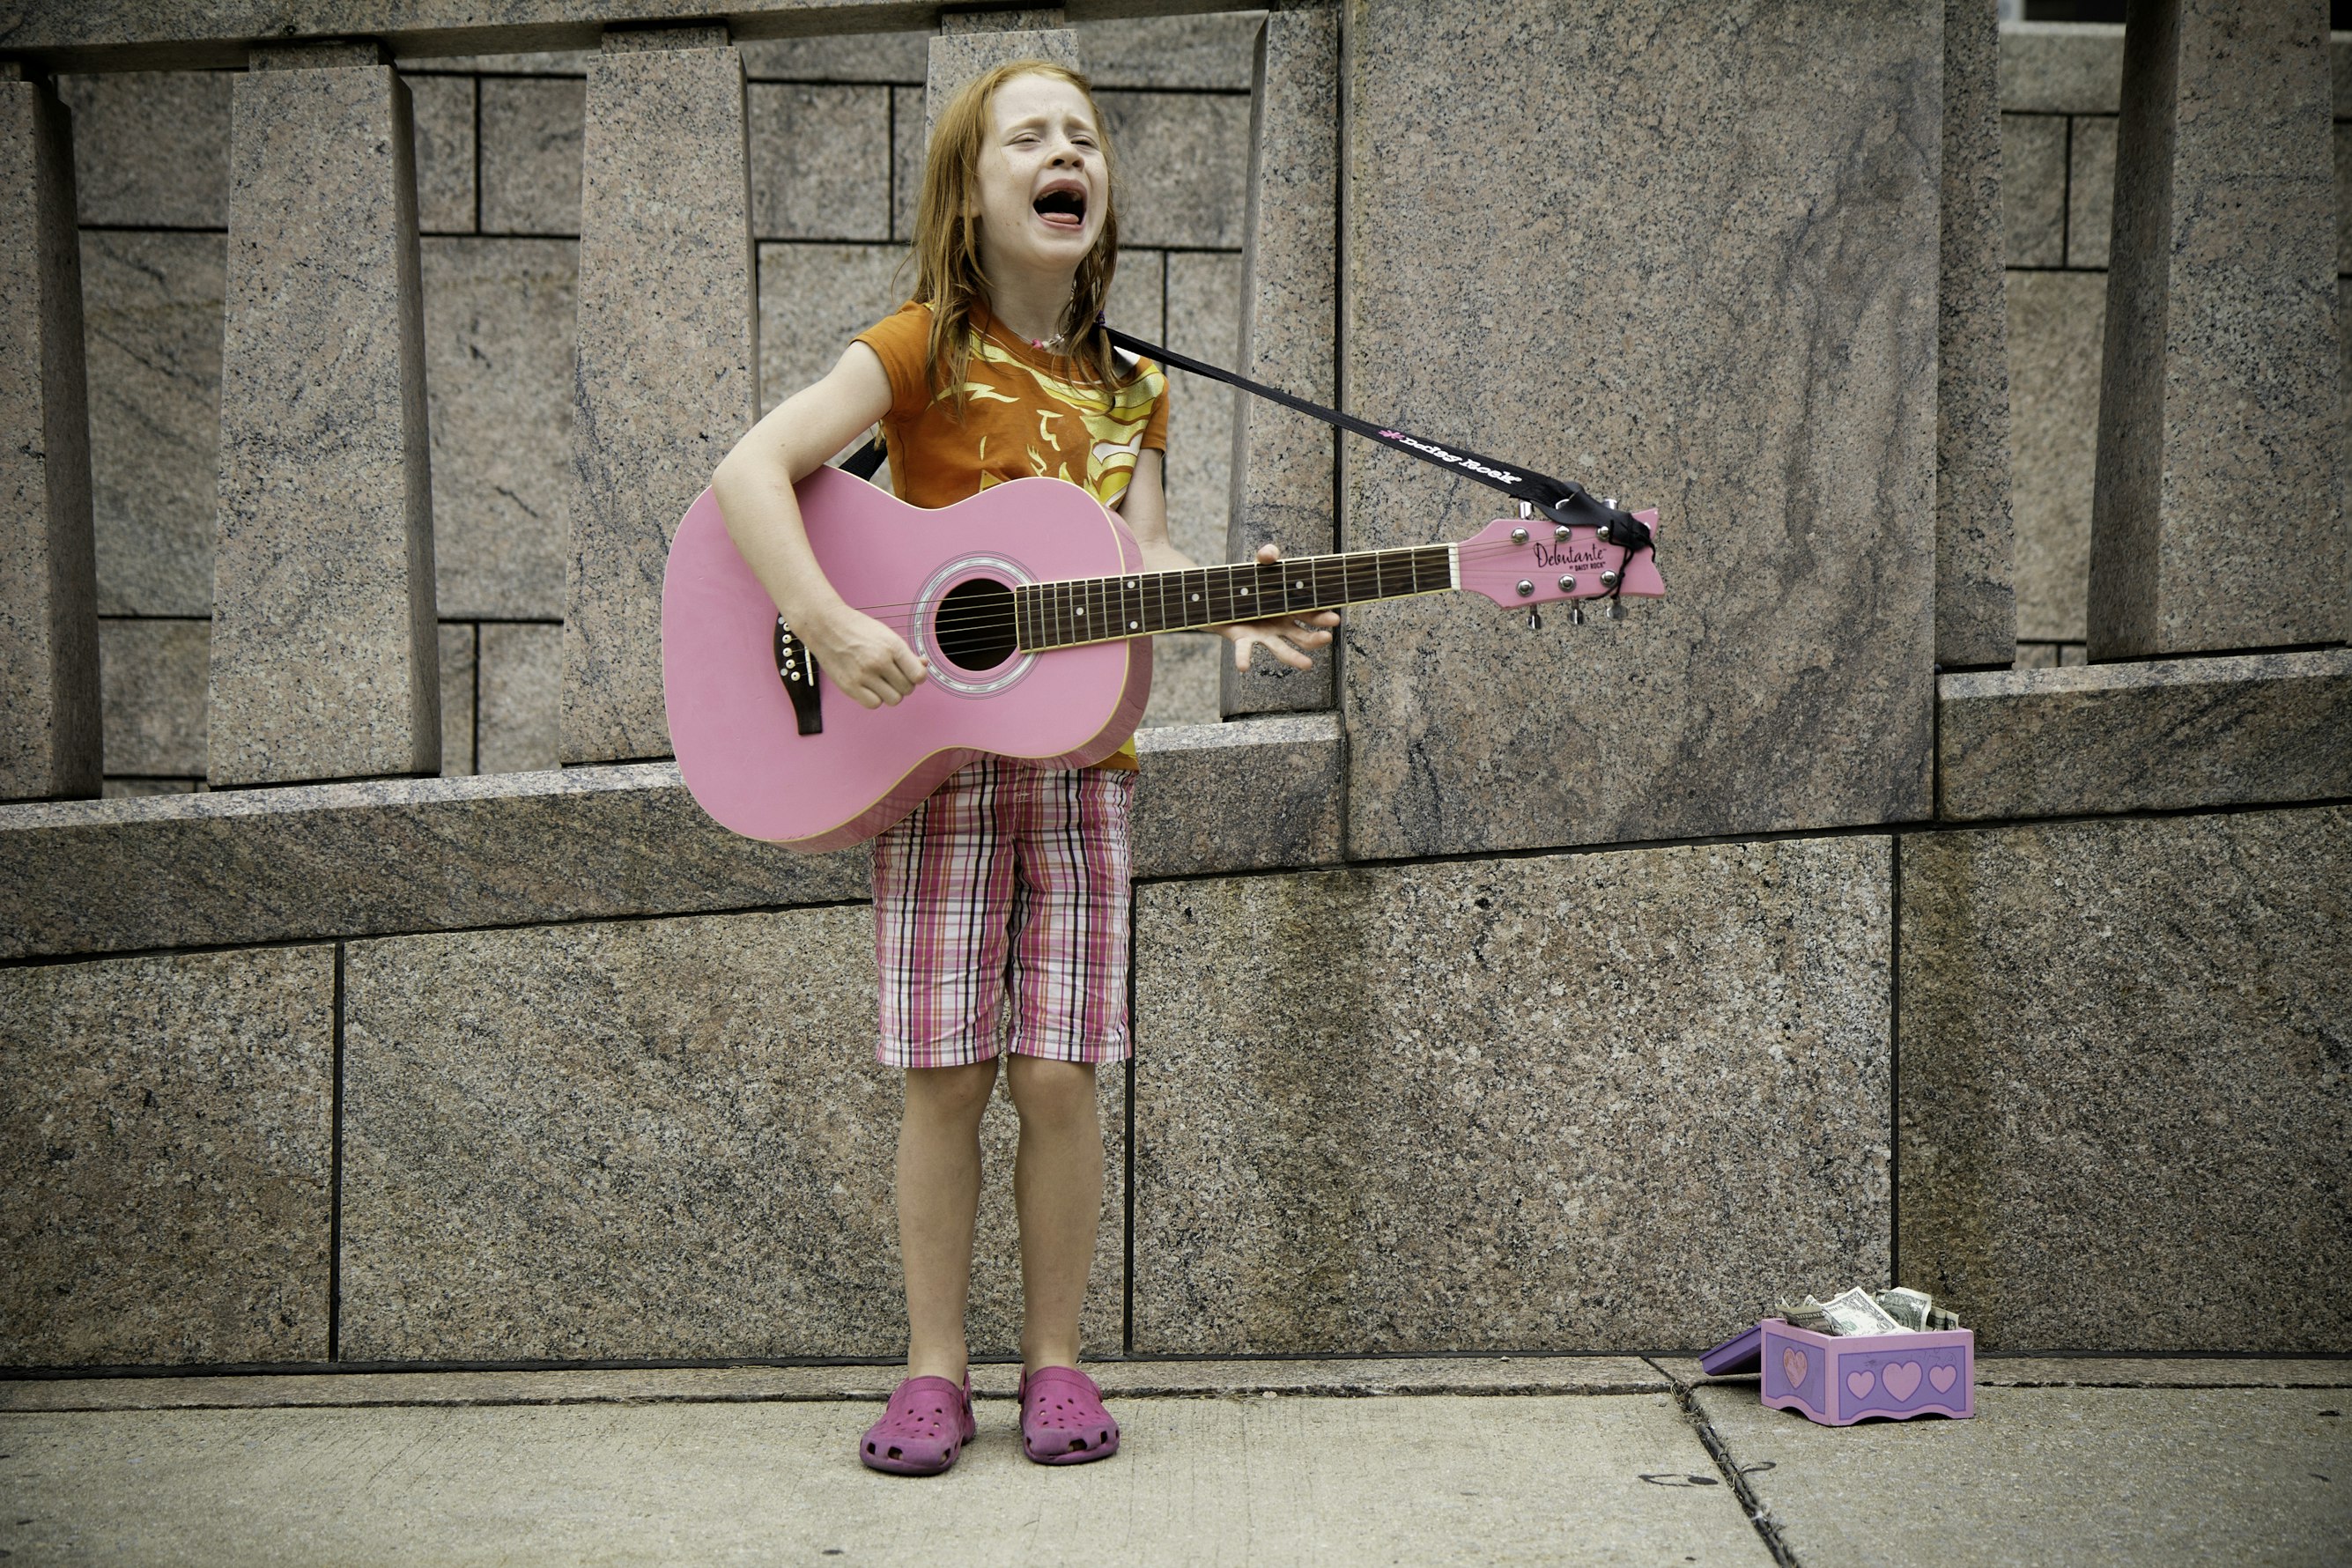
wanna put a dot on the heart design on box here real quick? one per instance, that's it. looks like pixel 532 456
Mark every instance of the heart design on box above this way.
pixel 1903 1379
pixel 1861 1383
pixel 1793 1365
pixel 1943 1377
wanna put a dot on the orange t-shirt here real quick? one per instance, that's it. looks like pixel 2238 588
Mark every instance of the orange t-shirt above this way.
pixel 1027 412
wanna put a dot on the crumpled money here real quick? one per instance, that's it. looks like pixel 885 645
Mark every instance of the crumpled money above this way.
pixel 1859 1312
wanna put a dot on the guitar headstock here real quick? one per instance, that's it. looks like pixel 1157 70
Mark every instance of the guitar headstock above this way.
pixel 1534 561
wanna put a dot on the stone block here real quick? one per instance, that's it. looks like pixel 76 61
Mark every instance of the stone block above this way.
pixel 498 326
pixel 139 789
pixel 1139 294
pixel 521 696
pixel 1192 54
pixel 2343 154
pixel 48 656
pixel 1976 599
pixel 2090 190
pixel 240 867
pixel 2034 188
pixel 445 153
pixel 151 308
pixel 150 148
pixel 323 630
pixel 2121 1067
pixel 649 1138
pixel 530 155
pixel 458 673
pixel 1255 795
pixel 1204 306
pixel 2061 68
pixel 2218 406
pixel 167 1145
pixel 660 395
pixel 908 129
pixel 2056 324
pixel 1185 670
pixel 152 680
pixel 2049 654
pixel 1556 1103
pixel 1772 391
pixel 1184 167
pixel 820 161
pixel 524 62
pixel 812 300
pixel 1282 476
pixel 2159 736
pixel 959 55
pixel 843 56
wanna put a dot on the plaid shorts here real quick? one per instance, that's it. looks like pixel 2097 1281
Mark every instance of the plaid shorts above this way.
pixel 1006 876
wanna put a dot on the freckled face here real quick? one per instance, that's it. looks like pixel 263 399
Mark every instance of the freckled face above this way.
pixel 1043 185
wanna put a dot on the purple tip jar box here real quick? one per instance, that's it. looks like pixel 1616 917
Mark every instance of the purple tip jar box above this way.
pixel 1840 1380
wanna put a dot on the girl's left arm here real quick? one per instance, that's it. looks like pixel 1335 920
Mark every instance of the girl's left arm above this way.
pixel 1290 638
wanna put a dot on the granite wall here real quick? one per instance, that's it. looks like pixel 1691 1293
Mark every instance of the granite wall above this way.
pixel 1572 990
pixel 833 132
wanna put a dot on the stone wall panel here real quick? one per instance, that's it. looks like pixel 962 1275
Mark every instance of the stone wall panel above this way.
pixel 2091 190
pixel 458 674
pixel 1771 388
pixel 663 1138
pixel 2123 1081
pixel 820 161
pixel 166 1133
pixel 498 323
pixel 2034 188
pixel 445 153
pixel 151 682
pixel 2056 322
pixel 1560 1103
pixel 530 155
pixel 1976 599
pixel 1183 164
pixel 522 689
pixel 48 630
pixel 660 395
pixel 323 630
pixel 2155 735
pixel 151 148
pixel 152 323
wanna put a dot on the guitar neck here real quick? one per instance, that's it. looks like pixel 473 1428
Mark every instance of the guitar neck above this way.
pixel 1140 603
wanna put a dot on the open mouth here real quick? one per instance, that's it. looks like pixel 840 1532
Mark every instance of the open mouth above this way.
pixel 1062 208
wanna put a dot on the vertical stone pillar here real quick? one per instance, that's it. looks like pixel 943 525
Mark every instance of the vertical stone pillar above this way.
pixel 1281 471
pixel 1976 604
pixel 325 659
pixel 667 377
pixel 48 615
pixel 2216 523
pixel 970 43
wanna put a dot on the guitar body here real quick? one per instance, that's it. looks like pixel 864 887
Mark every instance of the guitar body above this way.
pixel 733 721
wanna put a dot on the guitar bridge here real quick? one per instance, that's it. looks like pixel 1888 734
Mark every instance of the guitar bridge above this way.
pixel 796 667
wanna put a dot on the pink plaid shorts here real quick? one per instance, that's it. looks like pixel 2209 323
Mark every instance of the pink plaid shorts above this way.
pixel 1006 876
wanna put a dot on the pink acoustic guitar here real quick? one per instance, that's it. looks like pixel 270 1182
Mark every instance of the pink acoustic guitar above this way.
pixel 1027 600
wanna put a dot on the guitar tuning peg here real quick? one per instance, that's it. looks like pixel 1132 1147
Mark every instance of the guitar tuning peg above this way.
pixel 1575 615
pixel 1535 620
pixel 1616 609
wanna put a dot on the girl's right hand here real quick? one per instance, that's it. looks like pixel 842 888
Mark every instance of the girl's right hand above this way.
pixel 865 658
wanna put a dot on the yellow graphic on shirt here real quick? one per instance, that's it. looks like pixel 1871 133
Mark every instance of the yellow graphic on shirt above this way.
pixel 1115 419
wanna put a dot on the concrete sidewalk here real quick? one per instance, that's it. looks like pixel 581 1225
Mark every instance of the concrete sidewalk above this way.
pixel 1538 1460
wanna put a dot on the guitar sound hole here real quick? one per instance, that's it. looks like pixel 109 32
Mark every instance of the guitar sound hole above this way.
pixel 974 624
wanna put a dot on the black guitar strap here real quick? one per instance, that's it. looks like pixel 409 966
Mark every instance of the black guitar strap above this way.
pixel 1562 500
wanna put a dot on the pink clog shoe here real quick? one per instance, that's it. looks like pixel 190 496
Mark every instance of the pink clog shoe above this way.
pixel 927 1425
pixel 1062 1421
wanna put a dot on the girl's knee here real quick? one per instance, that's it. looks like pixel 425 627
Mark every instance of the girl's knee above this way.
pixel 958 1091
pixel 1052 1091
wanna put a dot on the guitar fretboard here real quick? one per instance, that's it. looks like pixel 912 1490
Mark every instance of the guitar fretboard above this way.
pixel 1104 609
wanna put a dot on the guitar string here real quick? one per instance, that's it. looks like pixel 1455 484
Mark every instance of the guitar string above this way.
pixel 1479 553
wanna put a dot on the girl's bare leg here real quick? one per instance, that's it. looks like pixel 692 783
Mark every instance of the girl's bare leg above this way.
pixel 939 1193
pixel 1057 1190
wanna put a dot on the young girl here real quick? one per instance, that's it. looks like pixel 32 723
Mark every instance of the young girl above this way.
pixel 997 370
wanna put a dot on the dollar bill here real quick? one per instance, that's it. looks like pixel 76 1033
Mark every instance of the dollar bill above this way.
pixel 1855 1313
pixel 1941 1320
pixel 1907 1308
